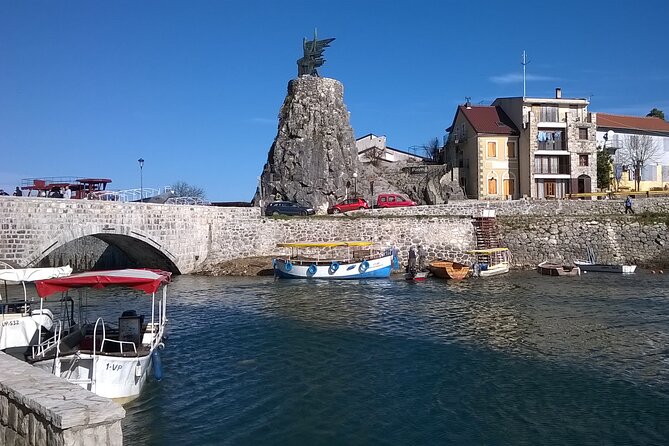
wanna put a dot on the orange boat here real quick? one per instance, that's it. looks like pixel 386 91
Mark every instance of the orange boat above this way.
pixel 448 269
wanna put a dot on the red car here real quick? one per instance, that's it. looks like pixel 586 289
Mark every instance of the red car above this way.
pixel 350 204
pixel 392 200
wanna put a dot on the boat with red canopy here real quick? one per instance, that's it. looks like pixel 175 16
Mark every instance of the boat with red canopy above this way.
pixel 111 360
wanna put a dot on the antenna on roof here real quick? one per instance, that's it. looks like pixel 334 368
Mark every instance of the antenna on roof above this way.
pixel 524 64
pixel 468 101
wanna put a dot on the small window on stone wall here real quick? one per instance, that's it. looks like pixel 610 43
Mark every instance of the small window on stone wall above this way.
pixel 582 133
pixel 583 160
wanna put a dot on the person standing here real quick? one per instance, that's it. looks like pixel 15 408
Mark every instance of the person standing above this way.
pixel 422 255
pixel 68 193
pixel 396 257
pixel 17 192
pixel 411 266
pixel 628 205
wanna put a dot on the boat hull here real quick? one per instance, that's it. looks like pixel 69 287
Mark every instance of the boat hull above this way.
pixel 446 269
pixel 554 269
pixel 118 378
pixel 602 268
pixel 495 270
pixel 364 269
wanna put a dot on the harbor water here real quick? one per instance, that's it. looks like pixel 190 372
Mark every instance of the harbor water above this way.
pixel 515 359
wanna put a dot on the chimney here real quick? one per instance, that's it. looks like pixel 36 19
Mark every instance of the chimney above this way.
pixel 558 93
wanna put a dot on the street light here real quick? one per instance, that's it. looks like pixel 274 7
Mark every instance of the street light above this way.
pixel 141 180
pixel 355 184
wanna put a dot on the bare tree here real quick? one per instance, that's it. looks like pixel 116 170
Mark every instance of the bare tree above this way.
pixel 183 189
pixel 432 149
pixel 637 151
pixel 375 154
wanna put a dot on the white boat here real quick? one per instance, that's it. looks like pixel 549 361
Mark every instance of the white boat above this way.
pixel 20 325
pixel 591 267
pixel 333 260
pixel 490 262
pixel 110 360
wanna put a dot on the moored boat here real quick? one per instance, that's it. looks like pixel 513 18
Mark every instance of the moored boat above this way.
pixel 333 260
pixel 448 269
pixel 21 326
pixel 490 262
pixel 110 360
pixel 591 267
pixel 418 276
pixel 549 268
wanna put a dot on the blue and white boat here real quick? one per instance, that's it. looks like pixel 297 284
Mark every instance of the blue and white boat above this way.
pixel 333 260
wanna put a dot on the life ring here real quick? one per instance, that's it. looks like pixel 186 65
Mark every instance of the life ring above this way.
pixel 312 269
pixel 334 266
pixel 363 266
pixel 289 265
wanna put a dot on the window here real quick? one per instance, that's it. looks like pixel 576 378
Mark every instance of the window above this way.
pixel 583 160
pixel 509 187
pixel 548 114
pixel 492 186
pixel 549 189
pixel 492 149
pixel 582 133
pixel 511 149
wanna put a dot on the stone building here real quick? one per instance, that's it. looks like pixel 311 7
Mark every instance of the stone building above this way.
pixel 557 150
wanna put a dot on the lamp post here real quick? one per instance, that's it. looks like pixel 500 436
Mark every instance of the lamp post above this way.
pixel 141 180
pixel 355 184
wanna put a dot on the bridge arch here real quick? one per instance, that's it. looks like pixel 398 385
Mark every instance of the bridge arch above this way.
pixel 139 248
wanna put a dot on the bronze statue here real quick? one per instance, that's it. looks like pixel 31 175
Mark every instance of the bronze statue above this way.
pixel 313 55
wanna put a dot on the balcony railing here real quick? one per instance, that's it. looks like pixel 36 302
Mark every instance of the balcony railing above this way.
pixel 551 145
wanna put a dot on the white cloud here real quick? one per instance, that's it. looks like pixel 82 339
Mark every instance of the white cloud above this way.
pixel 513 78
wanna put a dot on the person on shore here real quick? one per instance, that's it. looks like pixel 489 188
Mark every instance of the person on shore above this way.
pixel 2 192
pixel 396 257
pixel 628 205
pixel 411 266
pixel 17 192
pixel 68 193
pixel 422 256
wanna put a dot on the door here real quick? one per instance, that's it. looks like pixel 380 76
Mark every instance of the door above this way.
pixel 549 189
pixel 509 187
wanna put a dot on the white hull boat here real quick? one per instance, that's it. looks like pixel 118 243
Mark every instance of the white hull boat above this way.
pixel 317 260
pixel 490 262
pixel 590 267
pixel 113 361
pixel 20 325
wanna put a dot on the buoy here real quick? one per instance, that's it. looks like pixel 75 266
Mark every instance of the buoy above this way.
pixel 157 365
pixel 363 266
pixel 289 265
pixel 312 269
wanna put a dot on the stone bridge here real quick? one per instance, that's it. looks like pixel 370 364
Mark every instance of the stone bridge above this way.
pixel 186 239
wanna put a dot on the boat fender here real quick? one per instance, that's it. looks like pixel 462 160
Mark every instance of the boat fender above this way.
pixel 363 266
pixel 274 263
pixel 157 365
pixel 334 266
pixel 312 269
pixel 289 265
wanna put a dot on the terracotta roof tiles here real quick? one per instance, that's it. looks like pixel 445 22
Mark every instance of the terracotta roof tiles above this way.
pixel 488 119
pixel 605 120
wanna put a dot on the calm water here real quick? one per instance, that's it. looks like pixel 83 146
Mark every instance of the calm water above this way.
pixel 518 359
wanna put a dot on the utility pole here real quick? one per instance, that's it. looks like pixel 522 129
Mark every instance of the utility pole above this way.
pixel 524 64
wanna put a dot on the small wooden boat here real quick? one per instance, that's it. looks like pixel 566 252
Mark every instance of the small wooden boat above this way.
pixel 333 260
pixel 448 269
pixel 549 268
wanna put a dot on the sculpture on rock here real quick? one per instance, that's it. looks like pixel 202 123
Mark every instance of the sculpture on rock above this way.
pixel 313 56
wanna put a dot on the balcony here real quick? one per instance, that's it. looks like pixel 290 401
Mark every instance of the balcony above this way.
pixel 552 145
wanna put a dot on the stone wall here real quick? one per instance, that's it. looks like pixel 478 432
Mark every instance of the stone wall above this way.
pixel 193 238
pixel 39 409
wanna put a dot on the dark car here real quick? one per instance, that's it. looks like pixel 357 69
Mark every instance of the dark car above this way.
pixel 350 204
pixel 288 208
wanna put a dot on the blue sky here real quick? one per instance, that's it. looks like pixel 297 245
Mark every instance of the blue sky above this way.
pixel 195 87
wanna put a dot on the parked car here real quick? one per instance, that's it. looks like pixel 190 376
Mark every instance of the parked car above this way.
pixel 350 204
pixel 392 200
pixel 288 208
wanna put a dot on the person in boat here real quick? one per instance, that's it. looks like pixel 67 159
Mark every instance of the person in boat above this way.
pixel 411 266
pixel 17 192
pixel 422 255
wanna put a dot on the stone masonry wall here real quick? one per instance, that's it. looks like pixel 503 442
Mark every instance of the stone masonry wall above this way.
pixel 39 409
pixel 196 237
